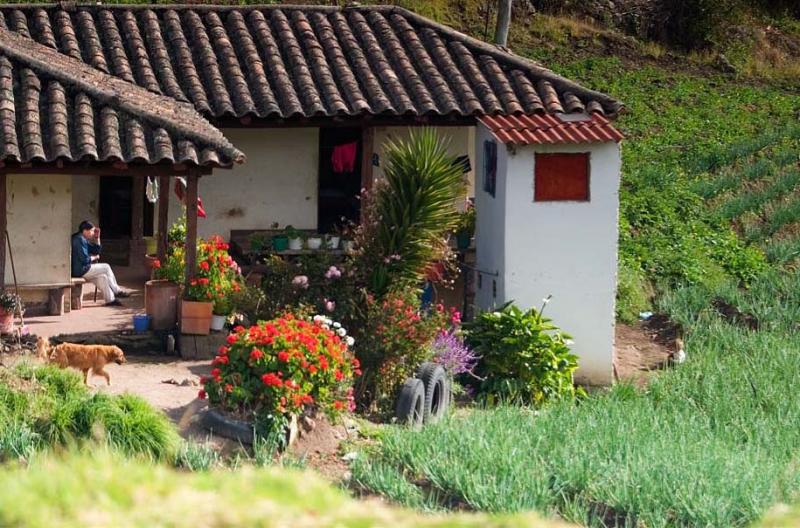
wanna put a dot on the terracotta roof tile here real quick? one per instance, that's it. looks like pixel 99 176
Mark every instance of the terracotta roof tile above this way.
pixel 285 62
pixel 68 110
pixel 551 129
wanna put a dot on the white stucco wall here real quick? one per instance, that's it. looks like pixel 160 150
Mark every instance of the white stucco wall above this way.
pixel 490 229
pixel 278 183
pixel 39 227
pixel 564 249
pixel 460 141
pixel 85 199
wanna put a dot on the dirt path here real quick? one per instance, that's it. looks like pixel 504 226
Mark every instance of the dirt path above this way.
pixel 146 376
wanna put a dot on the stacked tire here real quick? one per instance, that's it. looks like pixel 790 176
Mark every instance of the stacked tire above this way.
pixel 425 398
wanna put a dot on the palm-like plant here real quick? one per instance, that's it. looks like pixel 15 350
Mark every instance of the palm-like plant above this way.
pixel 409 212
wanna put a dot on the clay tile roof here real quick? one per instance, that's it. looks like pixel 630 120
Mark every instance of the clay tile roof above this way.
pixel 551 129
pixel 288 62
pixel 56 107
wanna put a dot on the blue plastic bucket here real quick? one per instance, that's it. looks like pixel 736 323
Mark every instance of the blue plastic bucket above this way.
pixel 141 323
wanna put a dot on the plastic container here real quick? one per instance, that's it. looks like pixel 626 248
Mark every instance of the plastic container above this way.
pixel 141 323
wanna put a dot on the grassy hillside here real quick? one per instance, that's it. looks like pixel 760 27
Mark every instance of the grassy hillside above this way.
pixel 710 234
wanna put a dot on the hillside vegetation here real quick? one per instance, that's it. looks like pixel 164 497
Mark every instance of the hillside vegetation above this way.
pixel 710 236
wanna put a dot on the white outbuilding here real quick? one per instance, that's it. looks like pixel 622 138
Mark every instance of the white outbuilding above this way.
pixel 547 201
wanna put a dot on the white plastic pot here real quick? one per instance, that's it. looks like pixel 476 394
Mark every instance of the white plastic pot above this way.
pixel 295 244
pixel 217 322
pixel 332 242
pixel 314 242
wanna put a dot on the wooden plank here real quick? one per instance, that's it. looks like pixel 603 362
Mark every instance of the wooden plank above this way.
pixel 367 150
pixel 192 182
pixel 137 206
pixel 163 215
pixel 3 227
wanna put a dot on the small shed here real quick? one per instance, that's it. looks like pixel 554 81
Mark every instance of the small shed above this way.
pixel 547 206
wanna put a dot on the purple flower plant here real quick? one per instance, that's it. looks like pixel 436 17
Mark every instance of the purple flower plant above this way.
pixel 450 352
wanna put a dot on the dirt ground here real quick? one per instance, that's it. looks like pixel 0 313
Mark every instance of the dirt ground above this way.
pixel 643 349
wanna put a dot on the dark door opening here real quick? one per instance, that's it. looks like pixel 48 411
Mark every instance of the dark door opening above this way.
pixel 116 203
pixel 339 183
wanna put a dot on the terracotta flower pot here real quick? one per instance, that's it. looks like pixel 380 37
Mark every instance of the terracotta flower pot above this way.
pixel 161 304
pixel 6 322
pixel 196 317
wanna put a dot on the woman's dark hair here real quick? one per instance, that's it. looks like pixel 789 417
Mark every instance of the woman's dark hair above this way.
pixel 84 226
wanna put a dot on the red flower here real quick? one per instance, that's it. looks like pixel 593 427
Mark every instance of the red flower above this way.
pixel 201 394
pixel 215 373
pixel 156 263
pixel 256 354
pixel 228 388
pixel 202 281
pixel 338 405
pixel 204 266
pixel 231 339
pixel 338 375
pixel 271 380
pixel 283 356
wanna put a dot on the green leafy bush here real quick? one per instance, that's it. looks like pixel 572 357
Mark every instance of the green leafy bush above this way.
pixel 524 356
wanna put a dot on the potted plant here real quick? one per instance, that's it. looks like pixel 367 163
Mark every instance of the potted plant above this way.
pixel 314 242
pixel 216 276
pixel 161 293
pixel 8 304
pixel 332 241
pixel 466 227
pixel 258 243
pixel 295 238
pixel 223 308
pixel 280 241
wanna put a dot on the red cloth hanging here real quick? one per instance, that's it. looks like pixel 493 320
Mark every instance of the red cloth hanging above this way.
pixel 180 192
pixel 344 157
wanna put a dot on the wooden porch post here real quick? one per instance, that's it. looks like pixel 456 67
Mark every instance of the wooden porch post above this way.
pixel 367 150
pixel 3 227
pixel 191 225
pixel 137 206
pixel 163 216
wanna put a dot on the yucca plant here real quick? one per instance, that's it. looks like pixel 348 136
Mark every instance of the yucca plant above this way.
pixel 409 212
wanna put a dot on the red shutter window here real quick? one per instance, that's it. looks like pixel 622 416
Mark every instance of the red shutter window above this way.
pixel 561 177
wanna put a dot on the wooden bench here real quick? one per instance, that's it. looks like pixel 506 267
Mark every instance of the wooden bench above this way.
pixel 55 298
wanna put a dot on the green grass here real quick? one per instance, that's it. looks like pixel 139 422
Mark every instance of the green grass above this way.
pixel 99 488
pixel 712 443
pixel 42 407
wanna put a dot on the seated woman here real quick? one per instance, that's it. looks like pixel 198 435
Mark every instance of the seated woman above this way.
pixel 85 254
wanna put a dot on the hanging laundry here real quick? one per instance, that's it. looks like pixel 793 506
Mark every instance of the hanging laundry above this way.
pixel 151 189
pixel 343 158
pixel 180 192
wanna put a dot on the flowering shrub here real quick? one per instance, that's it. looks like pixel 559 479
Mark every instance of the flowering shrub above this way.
pixel 449 350
pixel 394 342
pixel 319 283
pixel 284 366
pixel 217 275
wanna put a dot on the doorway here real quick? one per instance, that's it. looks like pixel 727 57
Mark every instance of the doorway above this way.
pixel 340 154
pixel 116 217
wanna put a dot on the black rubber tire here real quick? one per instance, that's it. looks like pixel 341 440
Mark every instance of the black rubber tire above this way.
pixel 215 422
pixel 437 389
pixel 411 403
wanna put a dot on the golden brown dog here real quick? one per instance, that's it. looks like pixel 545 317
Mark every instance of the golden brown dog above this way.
pixel 86 358
pixel 42 348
